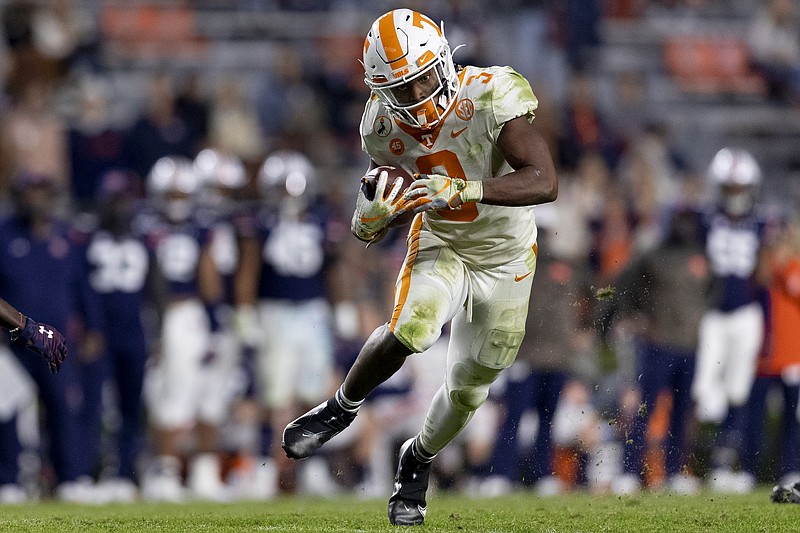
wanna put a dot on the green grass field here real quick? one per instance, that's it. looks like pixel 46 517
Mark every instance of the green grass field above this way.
pixel 574 513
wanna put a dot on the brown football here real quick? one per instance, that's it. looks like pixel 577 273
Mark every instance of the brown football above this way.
pixel 370 181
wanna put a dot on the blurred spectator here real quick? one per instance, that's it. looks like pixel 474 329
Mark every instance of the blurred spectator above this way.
pixel 578 29
pixel 779 368
pixel 159 131
pixel 775 45
pixel 663 292
pixel 287 104
pixel 33 138
pixel 43 265
pixel 192 106
pixel 584 127
pixel 95 146
pixel 233 123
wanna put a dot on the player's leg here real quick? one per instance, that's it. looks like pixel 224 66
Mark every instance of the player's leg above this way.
pixel 172 395
pixel 425 300
pixel 746 329
pixel 747 334
pixel 484 340
pixel 680 382
pixel 707 390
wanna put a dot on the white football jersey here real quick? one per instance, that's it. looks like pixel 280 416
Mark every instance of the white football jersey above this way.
pixel 464 145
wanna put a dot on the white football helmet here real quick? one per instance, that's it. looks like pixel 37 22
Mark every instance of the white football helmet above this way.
pixel 286 173
pixel 221 170
pixel 223 177
pixel 172 185
pixel 401 46
pixel 735 176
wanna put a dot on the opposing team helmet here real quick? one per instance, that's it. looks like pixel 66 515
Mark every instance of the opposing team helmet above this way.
pixel 402 46
pixel 286 172
pixel 173 185
pixel 736 178
pixel 220 170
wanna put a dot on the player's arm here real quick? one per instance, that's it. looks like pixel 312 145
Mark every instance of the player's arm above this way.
pixel 245 289
pixel 10 318
pixel 43 339
pixel 210 283
pixel 534 179
pixel 532 182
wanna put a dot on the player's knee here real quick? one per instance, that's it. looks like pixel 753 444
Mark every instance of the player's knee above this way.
pixel 418 334
pixel 468 385
pixel 469 399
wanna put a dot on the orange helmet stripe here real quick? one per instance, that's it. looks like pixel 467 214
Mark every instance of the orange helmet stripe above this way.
pixel 391 42
pixel 420 19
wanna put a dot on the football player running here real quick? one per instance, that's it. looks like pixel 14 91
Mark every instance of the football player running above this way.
pixel 471 247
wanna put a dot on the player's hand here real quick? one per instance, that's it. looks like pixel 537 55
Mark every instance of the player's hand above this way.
pixel 371 218
pixel 44 340
pixel 434 192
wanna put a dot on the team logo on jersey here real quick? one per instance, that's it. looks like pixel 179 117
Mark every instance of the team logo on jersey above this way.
pixel 465 109
pixel 396 146
pixel 382 126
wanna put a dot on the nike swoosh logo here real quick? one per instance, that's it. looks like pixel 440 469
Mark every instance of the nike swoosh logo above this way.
pixel 520 278
pixel 456 133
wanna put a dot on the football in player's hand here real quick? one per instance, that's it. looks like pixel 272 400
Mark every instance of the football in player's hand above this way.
pixel 370 182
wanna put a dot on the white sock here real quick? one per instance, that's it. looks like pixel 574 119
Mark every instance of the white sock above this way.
pixel 348 405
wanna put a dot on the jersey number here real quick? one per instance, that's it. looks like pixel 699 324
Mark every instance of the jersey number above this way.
pixel 446 162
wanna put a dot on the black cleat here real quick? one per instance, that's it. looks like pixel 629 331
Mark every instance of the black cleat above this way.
pixel 306 434
pixel 407 505
pixel 785 494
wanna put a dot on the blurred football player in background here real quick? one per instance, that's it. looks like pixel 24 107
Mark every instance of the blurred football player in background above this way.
pixel 471 249
pixel 180 393
pixel 285 258
pixel 120 275
pixel 222 202
pixel 44 265
pixel 732 329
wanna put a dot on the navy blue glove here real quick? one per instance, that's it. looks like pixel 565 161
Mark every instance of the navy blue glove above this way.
pixel 44 340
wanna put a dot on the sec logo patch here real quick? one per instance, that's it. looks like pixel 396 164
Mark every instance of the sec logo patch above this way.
pixel 465 109
pixel 382 126
pixel 396 146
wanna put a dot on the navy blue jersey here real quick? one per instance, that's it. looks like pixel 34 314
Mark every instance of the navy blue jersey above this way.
pixel 46 276
pixel 176 249
pixel 294 254
pixel 732 247
pixel 118 268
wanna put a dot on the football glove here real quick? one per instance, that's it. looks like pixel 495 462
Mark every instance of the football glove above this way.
pixel 42 339
pixel 433 192
pixel 371 218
